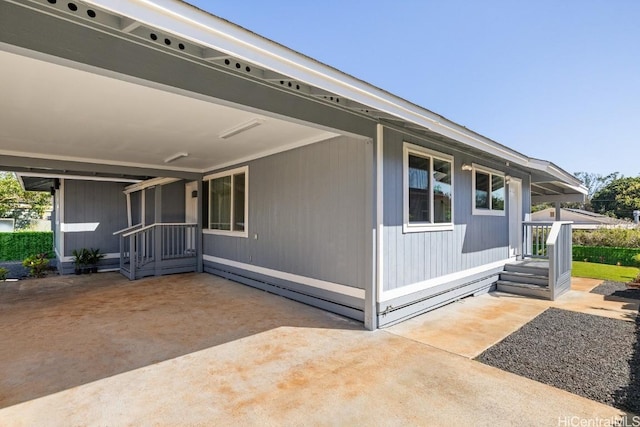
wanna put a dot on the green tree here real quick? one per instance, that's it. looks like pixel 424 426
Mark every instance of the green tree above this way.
pixel 22 206
pixel 594 183
pixel 619 198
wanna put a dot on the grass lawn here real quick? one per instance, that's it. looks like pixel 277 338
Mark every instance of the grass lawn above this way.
pixel 604 271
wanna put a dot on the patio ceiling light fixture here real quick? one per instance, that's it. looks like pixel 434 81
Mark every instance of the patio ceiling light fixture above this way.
pixel 466 167
pixel 175 157
pixel 240 128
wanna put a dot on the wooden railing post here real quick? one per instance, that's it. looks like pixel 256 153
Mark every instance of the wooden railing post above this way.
pixel 157 249
pixel 559 246
pixel 133 257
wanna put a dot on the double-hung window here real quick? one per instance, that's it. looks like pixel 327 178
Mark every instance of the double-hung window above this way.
pixel 229 202
pixel 427 190
pixel 488 191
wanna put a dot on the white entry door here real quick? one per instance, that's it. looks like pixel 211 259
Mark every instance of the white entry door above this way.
pixel 515 217
pixel 191 211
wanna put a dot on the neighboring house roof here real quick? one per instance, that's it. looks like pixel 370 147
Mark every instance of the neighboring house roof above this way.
pixel 203 36
pixel 581 219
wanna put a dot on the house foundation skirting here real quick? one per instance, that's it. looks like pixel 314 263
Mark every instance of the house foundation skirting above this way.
pixel 395 311
pixel 344 305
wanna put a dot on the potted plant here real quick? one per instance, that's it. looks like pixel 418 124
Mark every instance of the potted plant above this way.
pixel 93 258
pixel 81 260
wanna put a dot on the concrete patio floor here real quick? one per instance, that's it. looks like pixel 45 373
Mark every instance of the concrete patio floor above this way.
pixel 199 350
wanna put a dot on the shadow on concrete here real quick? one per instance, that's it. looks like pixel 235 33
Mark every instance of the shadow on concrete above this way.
pixel 65 331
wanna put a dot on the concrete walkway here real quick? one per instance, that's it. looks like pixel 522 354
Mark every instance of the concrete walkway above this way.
pixel 253 358
pixel 470 326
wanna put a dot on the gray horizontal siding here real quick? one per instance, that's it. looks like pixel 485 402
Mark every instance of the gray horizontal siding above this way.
pixel 475 241
pixel 93 201
pixel 309 214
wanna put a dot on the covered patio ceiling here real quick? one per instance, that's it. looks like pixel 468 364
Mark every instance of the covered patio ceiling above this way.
pixel 52 111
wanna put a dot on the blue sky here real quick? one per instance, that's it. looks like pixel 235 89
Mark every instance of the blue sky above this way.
pixel 557 80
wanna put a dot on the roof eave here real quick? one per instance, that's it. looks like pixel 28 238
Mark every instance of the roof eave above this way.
pixel 202 28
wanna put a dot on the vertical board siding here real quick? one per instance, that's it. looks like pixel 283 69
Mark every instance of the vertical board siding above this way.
pixel 136 210
pixel 173 202
pixel 150 205
pixel 94 202
pixel 309 213
pixel 476 240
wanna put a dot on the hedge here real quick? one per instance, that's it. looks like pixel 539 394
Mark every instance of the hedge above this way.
pixel 605 255
pixel 22 244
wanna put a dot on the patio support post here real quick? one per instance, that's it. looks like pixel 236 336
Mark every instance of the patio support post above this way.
pixel 157 241
pixel 199 246
pixel 374 286
pixel 558 211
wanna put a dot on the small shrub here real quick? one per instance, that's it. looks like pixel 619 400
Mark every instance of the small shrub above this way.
pixel 636 260
pixel 3 274
pixel 37 264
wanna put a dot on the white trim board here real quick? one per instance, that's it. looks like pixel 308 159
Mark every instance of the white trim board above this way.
pixel 111 255
pixel 379 211
pixel 430 283
pixel 78 227
pixel 76 177
pixel 316 283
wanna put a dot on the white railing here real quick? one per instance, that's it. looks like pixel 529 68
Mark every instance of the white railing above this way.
pixel 560 254
pixel 149 248
pixel 535 239
pixel 551 241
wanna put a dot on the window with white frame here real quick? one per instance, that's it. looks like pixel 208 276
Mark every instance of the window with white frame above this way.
pixel 229 202
pixel 427 190
pixel 488 191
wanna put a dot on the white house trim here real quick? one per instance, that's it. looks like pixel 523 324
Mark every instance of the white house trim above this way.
pixel 379 211
pixel 78 227
pixel 230 172
pixel 426 284
pixel 111 255
pixel 142 185
pixel 418 150
pixel 320 284
pixel 76 177
pixel 488 212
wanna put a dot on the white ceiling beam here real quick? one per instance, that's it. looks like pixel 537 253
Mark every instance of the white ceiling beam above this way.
pixel 545 188
pixel 213 55
pixel 538 199
pixel 128 25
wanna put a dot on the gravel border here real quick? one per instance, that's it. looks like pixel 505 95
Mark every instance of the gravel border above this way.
pixel 616 289
pixel 592 356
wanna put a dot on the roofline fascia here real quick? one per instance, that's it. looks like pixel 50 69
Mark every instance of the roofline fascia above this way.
pixel 74 177
pixel 200 27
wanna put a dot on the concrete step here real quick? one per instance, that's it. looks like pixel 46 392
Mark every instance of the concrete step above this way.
pixel 535 268
pixel 518 277
pixel 526 289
